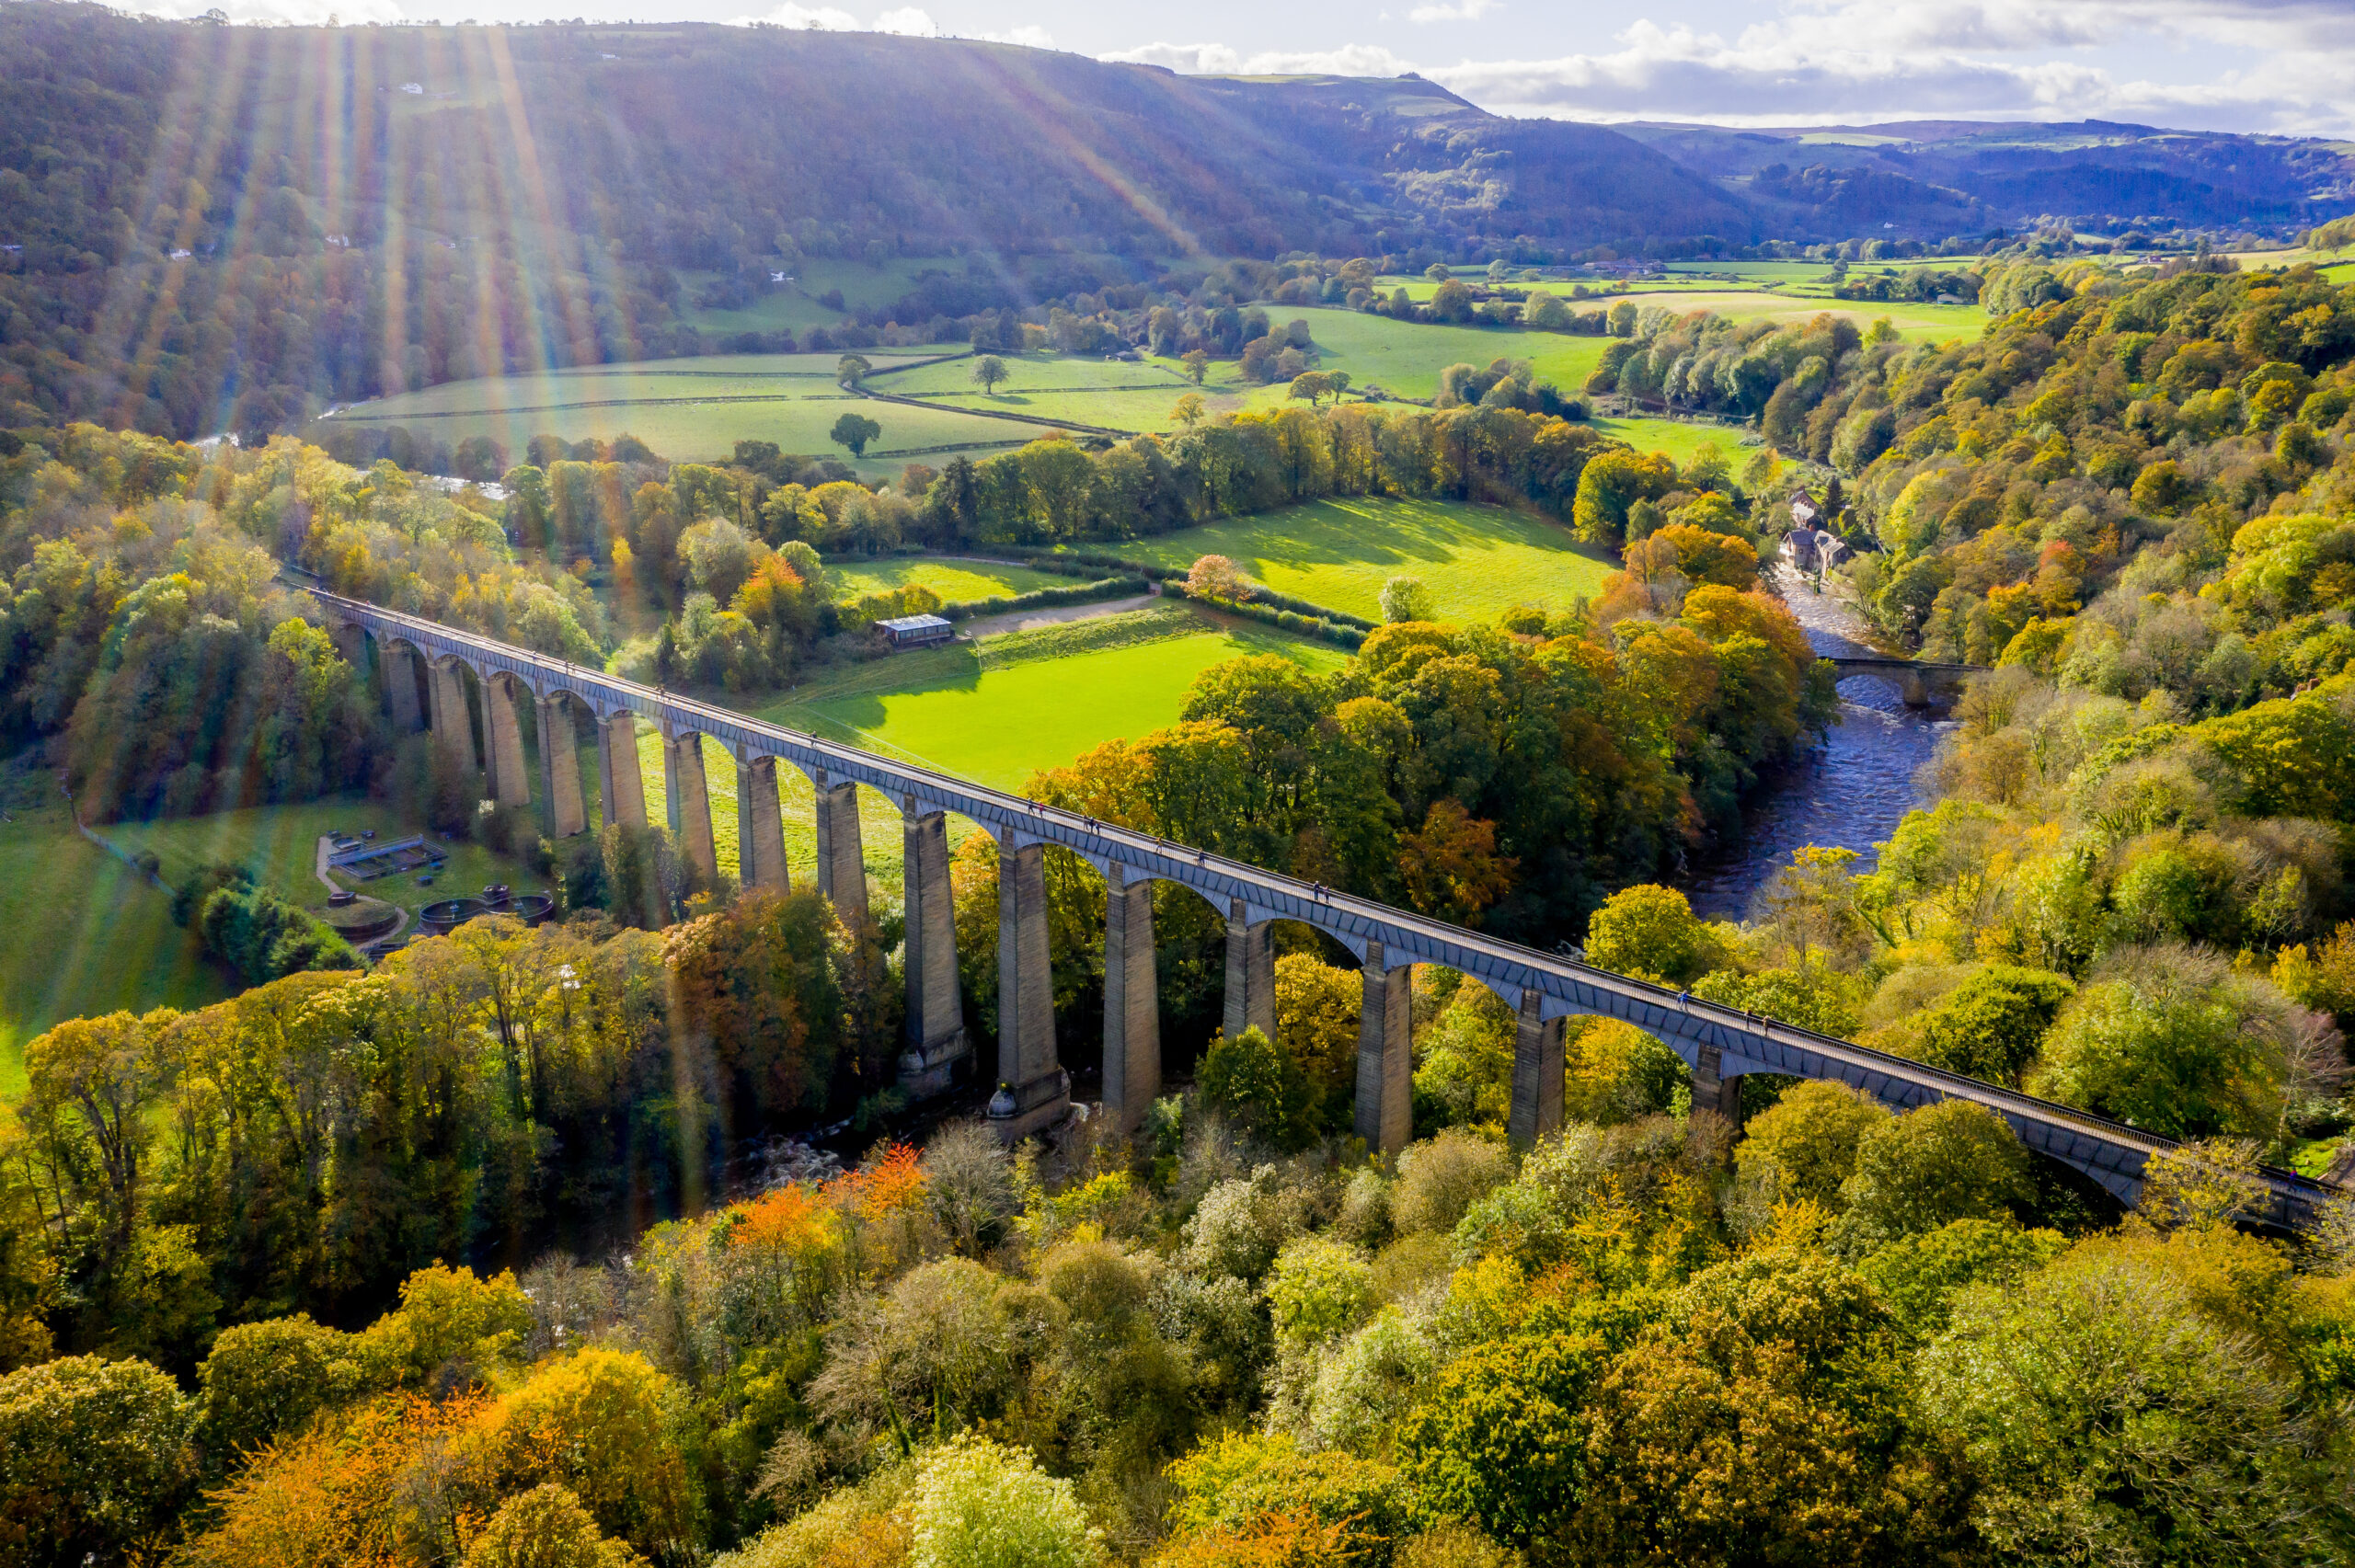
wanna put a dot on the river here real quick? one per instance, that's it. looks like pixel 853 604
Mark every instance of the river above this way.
pixel 1852 790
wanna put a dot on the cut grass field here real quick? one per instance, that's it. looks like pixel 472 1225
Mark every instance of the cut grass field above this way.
pixel 999 711
pixel 952 579
pixel 688 410
pixel 1476 560
pixel 1680 439
pixel 1405 357
pixel 87 934
pixel 994 712
pixel 1119 394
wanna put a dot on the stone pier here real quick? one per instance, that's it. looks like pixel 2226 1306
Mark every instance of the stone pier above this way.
pixel 936 1041
pixel 1131 1002
pixel 398 663
pixel 1037 1091
pixel 1386 1067
pixel 842 859
pixel 1250 975
pixel 1536 1074
pixel 454 726
pixel 566 811
pixel 1711 1090
pixel 621 788
pixel 690 800
pixel 760 826
pixel 508 784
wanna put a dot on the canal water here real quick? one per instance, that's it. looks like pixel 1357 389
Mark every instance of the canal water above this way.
pixel 1852 790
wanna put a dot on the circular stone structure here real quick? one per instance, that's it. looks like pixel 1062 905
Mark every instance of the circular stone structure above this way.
pixel 441 919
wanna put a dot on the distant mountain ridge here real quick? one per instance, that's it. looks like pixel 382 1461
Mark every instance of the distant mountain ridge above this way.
pixel 207 227
pixel 1914 175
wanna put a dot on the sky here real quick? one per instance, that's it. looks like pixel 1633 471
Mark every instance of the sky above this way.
pixel 2258 65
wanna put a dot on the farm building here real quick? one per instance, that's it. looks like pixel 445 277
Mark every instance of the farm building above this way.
pixel 917 631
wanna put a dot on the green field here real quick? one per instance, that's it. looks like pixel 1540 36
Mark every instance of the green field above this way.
pixel 1119 394
pixel 279 845
pixel 88 934
pixel 1680 439
pixel 952 579
pixel 1405 357
pixel 1475 560
pixel 997 720
pixel 996 713
pixel 688 410
pixel 1915 323
pixel 787 310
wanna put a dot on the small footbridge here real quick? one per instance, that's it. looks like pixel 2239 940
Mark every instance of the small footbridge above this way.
pixel 1922 684
pixel 427 672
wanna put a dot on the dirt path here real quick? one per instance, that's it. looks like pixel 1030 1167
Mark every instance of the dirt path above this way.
pixel 1027 620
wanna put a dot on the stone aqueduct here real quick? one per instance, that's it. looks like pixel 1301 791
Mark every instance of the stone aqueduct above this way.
pixel 1720 1043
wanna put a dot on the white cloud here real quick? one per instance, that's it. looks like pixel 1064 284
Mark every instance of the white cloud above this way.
pixel 1029 37
pixel 1219 60
pixel 1452 11
pixel 908 21
pixel 2278 66
pixel 2245 64
pixel 824 18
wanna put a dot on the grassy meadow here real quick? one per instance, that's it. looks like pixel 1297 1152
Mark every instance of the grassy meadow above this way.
pixel 995 711
pixel 688 410
pixel 1797 297
pixel 1680 439
pixel 1476 560
pixel 952 577
pixel 1118 395
pixel 87 933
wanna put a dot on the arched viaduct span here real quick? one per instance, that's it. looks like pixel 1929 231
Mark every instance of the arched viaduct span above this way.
pixel 1720 1043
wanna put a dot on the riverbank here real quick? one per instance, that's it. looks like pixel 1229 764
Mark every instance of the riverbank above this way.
pixel 1852 790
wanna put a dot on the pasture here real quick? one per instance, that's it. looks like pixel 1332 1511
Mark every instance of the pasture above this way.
pixel 688 410
pixel 1085 390
pixel 1778 301
pixel 1476 560
pixel 847 577
pixel 1405 357
pixel 87 933
pixel 999 711
pixel 1680 439
pixel 995 712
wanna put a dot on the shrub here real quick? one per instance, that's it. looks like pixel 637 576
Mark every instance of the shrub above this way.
pixel 1263 1086
pixel 1441 1179
pixel 1948 1162
pixel 94 1459
pixel 1319 1290
pixel 262 936
pixel 981 1505
pixel 1406 599
pixel 546 1528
